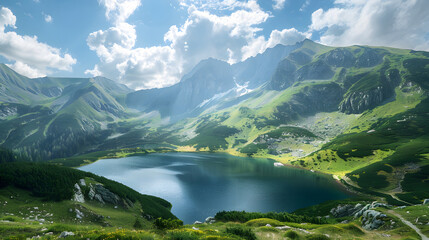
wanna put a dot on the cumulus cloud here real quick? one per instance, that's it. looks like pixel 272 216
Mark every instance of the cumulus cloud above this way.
pixel 48 18
pixel 231 37
pixel 285 37
pixel 279 4
pixel 396 23
pixel 31 57
pixel 119 10
pixel 207 35
pixel 6 19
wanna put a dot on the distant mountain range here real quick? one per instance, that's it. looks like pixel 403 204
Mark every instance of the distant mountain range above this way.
pixel 357 112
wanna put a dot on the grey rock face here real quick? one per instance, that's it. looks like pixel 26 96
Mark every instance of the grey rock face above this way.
pixel 79 214
pixel 340 57
pixel 82 182
pixel 357 102
pixel 91 193
pixel 369 58
pixel 372 219
pixel 107 195
pixel 210 220
pixel 103 195
pixel 370 206
pixel 6 111
pixel 78 196
pixel 66 234
pixel 310 100
pixel 346 210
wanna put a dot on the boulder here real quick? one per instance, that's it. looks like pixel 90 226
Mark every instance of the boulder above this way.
pixel 426 201
pixel 197 222
pixel 79 214
pixel 91 193
pixel 210 220
pixel 82 182
pixel 370 206
pixel 78 196
pixel 372 219
pixel 107 195
pixel 346 210
pixel 66 234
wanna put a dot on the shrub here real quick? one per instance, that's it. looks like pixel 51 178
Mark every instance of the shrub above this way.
pixel 292 234
pixel 242 216
pixel 138 224
pixel 245 233
pixel 317 237
pixel 162 224
pixel 182 235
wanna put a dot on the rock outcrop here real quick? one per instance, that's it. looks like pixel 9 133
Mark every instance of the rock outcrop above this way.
pixel 368 207
pixel 66 234
pixel 210 220
pixel 372 219
pixel 310 100
pixel 346 210
pixel 357 102
pixel 98 192
pixel 106 194
pixel 78 195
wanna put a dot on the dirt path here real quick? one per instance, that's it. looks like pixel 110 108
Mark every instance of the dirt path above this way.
pixel 410 225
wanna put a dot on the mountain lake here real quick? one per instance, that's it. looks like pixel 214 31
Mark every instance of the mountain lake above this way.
pixel 201 184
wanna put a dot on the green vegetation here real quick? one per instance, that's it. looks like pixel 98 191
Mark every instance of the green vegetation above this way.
pixel 212 136
pixel 245 233
pixel 162 224
pixel 290 132
pixel 55 183
pixel 237 216
pixel 359 113
pixel 17 220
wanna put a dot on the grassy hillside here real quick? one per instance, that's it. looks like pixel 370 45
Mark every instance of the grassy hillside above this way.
pixel 24 216
pixel 55 183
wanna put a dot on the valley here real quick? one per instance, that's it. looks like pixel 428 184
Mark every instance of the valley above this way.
pixel 358 114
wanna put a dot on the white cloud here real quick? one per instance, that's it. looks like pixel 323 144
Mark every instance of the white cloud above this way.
pixel 30 56
pixel 26 70
pixel 119 10
pixel 279 4
pixel 48 18
pixel 6 19
pixel 207 35
pixel 304 5
pixel 231 37
pixel 285 37
pixel 395 23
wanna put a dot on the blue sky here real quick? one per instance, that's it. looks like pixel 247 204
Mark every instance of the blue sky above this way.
pixel 148 43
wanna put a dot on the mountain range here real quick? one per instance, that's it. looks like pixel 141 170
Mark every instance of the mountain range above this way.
pixel 356 112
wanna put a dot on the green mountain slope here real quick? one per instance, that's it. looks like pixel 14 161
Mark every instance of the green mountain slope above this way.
pixel 55 117
pixel 360 112
pixel 355 112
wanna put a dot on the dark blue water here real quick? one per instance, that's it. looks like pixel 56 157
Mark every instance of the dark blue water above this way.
pixel 200 185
